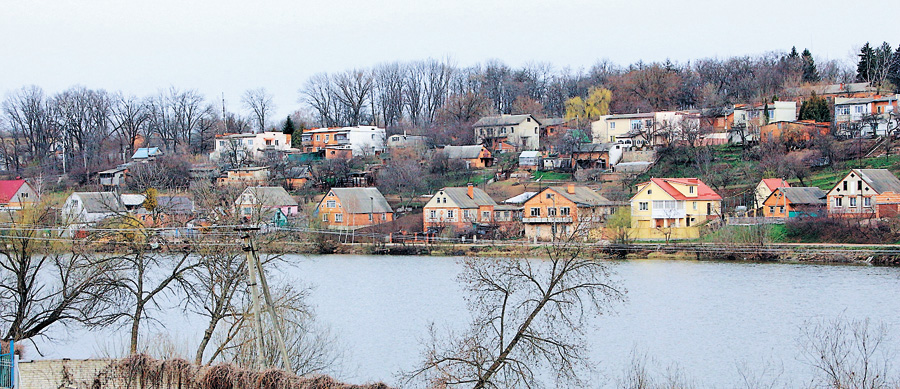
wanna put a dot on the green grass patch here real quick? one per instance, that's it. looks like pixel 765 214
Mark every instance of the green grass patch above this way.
pixel 552 176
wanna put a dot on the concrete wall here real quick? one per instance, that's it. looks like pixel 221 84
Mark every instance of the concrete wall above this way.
pixel 62 373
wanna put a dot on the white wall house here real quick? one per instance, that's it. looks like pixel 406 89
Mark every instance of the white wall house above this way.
pixel 91 207
pixel 249 145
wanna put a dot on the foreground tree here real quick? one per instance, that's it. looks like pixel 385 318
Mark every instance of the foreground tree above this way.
pixel 528 319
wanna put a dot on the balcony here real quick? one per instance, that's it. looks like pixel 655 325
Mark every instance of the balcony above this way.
pixel 556 219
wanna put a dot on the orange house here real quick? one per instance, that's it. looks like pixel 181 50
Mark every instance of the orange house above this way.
pixel 797 131
pixel 865 193
pixel 353 208
pixel 461 208
pixel 563 211
pixel 475 156
pixel 794 202
pixel 320 138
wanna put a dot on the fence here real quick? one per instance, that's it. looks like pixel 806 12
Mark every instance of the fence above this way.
pixel 8 365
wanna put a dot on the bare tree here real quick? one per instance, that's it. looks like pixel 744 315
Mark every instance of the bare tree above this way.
pixel 219 285
pixel 529 316
pixel 848 353
pixel 318 93
pixel 28 116
pixel 44 279
pixel 129 118
pixel 260 103
pixel 353 89
pixel 389 93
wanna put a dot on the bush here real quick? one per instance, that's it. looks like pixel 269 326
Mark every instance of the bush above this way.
pixel 839 230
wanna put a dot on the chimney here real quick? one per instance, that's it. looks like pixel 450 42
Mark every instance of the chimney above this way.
pixel 471 191
pixel 570 189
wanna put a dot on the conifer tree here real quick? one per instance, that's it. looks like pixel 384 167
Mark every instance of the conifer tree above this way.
pixel 894 70
pixel 288 127
pixel 865 68
pixel 810 73
pixel 815 108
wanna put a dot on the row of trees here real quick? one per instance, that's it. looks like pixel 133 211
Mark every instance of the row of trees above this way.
pixel 85 130
pixel 439 92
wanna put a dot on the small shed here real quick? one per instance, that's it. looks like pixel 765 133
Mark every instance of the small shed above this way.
pixel 530 159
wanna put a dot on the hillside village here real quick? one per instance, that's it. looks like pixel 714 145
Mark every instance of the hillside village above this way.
pixel 666 175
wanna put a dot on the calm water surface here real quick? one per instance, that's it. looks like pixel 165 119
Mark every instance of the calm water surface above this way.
pixel 708 318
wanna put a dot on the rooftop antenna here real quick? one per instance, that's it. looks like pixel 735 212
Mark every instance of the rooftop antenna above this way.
pixel 224 118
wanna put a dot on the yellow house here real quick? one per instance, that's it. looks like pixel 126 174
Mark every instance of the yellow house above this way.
pixel 672 208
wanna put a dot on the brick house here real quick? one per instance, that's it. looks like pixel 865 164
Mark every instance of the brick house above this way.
pixel 795 202
pixel 353 208
pixel 564 211
pixel 764 188
pixel 461 208
pixel 865 193
pixel 475 156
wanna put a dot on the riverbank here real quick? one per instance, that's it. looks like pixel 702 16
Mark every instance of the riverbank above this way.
pixel 882 255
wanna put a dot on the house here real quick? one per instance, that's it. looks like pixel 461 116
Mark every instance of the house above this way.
pixel 763 189
pixel 146 154
pixel 794 131
pixel 204 173
pixel 91 207
pixel 521 131
pixel 253 175
pixel 461 208
pixel 353 208
pixel 597 155
pixel 795 202
pixel 609 128
pixel 295 177
pixel 17 194
pixel 869 116
pixel 403 141
pixel 344 142
pixel 562 212
pixel 254 203
pixel 169 211
pixel 865 193
pixel 672 208
pixel 113 178
pixel 132 202
pixel 475 156
pixel 237 149
pixel 530 160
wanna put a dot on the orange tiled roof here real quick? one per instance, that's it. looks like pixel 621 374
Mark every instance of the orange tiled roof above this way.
pixel 704 192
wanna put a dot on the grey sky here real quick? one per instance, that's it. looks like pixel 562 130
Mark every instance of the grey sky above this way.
pixel 227 46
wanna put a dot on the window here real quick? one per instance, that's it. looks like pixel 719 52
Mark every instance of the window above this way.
pixel 867 201
pixel 330 204
pixel 450 214
pixel 838 202
pixel 485 215
pixel 268 142
pixel 549 195
pixel 859 108
pixel 643 205
pixel 649 191
pixel 859 185
pixel 535 212
pixel 221 143
pixel 612 125
pixel 648 122
pixel 370 217
pixel 339 217
pixel 845 185
pixel 528 119
pixel 635 124
pixel 383 217
pixel 780 209
pixel 25 195
pixel 432 214
pixel 467 214
pixel 326 137
pixel 551 211
pixel 325 217
pixel 695 205
pixel 564 211
pixel 853 201
pixel 771 209
pixel 843 110
pixel 373 136
pixel 250 142
pixel 317 138
pixel 276 142
pixel 691 189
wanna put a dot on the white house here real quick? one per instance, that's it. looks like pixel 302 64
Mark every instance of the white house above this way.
pixel 249 146
pixel 91 207
pixel 257 200
pixel 361 140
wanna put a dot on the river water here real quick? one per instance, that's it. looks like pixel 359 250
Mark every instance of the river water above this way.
pixel 708 320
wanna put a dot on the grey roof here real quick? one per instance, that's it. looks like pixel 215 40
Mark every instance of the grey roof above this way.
pixel 583 196
pixel 530 154
pixel 593 147
pixel 360 200
pixel 460 196
pixel 504 120
pixel 100 202
pixel 554 121
pixel 463 152
pixel 881 180
pixel 175 204
pixel 272 196
pixel 508 207
pixel 805 195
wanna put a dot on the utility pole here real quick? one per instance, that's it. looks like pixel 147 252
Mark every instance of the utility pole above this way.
pixel 254 266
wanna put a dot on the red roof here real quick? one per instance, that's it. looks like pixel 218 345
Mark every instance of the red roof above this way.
pixel 773 183
pixel 704 192
pixel 8 189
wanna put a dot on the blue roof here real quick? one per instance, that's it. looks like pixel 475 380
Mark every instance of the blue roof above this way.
pixel 145 152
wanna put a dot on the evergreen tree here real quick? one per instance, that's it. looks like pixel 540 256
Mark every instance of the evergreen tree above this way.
pixel 894 70
pixel 815 108
pixel 865 68
pixel 288 127
pixel 793 54
pixel 810 73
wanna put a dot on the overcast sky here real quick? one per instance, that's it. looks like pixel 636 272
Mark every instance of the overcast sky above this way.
pixel 227 46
